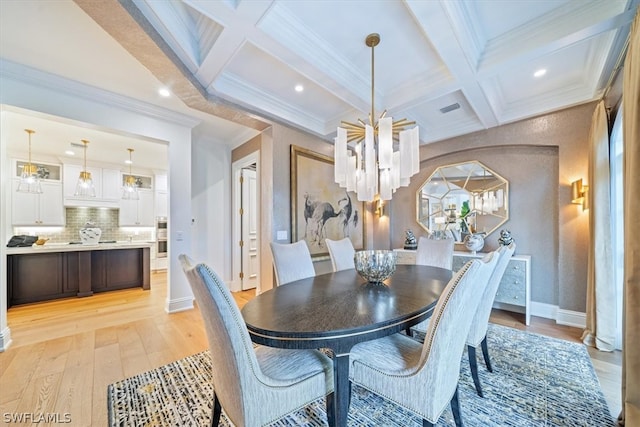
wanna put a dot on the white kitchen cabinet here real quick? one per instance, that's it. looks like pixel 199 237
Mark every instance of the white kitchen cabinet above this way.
pixel 46 208
pixel 105 181
pixel 162 204
pixel 138 213
pixel 111 188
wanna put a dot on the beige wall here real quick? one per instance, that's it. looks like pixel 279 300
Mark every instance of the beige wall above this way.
pixel 539 156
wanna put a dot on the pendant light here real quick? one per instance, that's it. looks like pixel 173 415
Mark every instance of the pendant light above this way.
pixel 374 170
pixel 29 179
pixel 130 189
pixel 84 187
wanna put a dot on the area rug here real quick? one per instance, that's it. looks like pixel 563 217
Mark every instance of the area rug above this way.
pixel 536 381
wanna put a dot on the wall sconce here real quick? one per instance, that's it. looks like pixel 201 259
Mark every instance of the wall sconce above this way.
pixel 580 194
pixel 379 207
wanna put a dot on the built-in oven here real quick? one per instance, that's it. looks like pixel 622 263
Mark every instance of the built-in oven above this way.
pixel 161 237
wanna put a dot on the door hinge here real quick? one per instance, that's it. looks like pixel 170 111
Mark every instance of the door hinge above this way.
pixel 241 179
pixel 241 243
pixel 241 275
pixel 241 211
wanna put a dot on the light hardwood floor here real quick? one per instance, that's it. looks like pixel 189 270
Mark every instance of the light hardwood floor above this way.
pixel 65 353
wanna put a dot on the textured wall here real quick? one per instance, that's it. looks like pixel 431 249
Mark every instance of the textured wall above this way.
pixel 520 152
pixel 532 173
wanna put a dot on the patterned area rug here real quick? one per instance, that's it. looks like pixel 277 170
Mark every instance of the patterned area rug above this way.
pixel 537 381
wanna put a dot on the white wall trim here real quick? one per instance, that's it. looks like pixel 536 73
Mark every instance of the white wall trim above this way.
pixel 179 304
pixel 576 319
pixel 571 318
pixel 5 339
pixel 540 309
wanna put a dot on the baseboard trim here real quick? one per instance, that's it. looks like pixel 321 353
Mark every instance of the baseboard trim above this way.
pixel 5 339
pixel 179 304
pixel 571 318
pixel 576 319
pixel 540 309
pixel 235 286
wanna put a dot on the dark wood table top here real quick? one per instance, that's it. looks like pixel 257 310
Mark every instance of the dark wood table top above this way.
pixel 341 307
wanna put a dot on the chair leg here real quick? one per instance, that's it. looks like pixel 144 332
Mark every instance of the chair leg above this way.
pixel 473 364
pixel 329 402
pixel 455 408
pixel 485 353
pixel 217 410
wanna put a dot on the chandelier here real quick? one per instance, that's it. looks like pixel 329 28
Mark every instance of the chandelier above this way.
pixel 374 170
pixel 29 179
pixel 130 189
pixel 85 187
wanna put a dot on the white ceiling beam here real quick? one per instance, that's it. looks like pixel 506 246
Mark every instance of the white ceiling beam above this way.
pixel 446 44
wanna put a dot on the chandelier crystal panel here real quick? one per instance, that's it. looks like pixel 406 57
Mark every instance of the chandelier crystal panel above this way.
pixel 365 160
pixel 29 179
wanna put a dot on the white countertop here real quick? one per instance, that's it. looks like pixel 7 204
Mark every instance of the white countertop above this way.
pixel 66 247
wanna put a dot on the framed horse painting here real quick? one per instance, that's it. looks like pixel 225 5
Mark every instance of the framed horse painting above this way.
pixel 320 208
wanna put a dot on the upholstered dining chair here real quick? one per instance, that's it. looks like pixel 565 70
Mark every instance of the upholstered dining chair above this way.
pixel 436 253
pixel 478 332
pixel 255 386
pixel 341 252
pixel 292 261
pixel 423 377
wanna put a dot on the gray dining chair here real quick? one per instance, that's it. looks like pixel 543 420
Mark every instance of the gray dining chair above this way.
pixel 435 252
pixel 255 385
pixel 423 377
pixel 292 261
pixel 478 332
pixel 341 253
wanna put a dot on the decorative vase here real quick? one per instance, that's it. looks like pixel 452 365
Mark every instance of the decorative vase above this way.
pixel 90 234
pixel 474 242
pixel 410 242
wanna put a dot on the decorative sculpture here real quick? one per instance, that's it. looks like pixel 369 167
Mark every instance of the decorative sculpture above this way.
pixel 505 238
pixel 410 242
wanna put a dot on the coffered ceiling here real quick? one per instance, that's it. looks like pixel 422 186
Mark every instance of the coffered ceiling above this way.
pixel 233 64
pixel 433 55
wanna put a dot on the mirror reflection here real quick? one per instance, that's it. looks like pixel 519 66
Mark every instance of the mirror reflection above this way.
pixel 460 199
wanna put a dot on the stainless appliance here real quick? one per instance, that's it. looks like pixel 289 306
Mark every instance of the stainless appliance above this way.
pixel 161 237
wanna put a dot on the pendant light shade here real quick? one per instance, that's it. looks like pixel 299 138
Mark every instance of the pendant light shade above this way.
pixel 84 187
pixel 29 179
pixel 130 189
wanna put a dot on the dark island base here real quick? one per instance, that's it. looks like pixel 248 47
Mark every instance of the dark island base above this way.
pixel 47 276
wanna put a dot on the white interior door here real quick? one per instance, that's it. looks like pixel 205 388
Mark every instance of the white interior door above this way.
pixel 249 229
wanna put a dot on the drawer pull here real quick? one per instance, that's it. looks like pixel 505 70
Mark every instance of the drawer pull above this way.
pixel 516 267
pixel 516 282
pixel 516 297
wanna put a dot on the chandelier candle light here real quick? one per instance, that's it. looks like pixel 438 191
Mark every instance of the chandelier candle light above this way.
pixel 374 170
pixel 29 179
pixel 130 189
pixel 84 187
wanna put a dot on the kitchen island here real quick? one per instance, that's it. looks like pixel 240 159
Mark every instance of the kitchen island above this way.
pixel 51 271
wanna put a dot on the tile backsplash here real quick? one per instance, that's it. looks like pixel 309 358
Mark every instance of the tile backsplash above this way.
pixel 76 218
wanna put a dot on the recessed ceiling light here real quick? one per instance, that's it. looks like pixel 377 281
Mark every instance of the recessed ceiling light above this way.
pixel 541 72
pixel 164 92
pixel 128 161
pixel 70 153
pixel 299 88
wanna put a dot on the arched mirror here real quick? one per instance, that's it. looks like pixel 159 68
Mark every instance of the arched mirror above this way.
pixel 462 198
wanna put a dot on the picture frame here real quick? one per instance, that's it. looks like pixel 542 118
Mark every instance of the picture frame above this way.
pixel 320 208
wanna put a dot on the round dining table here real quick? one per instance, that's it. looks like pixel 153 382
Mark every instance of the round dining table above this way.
pixel 339 310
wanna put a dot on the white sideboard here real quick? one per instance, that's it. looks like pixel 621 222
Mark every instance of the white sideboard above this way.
pixel 514 292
